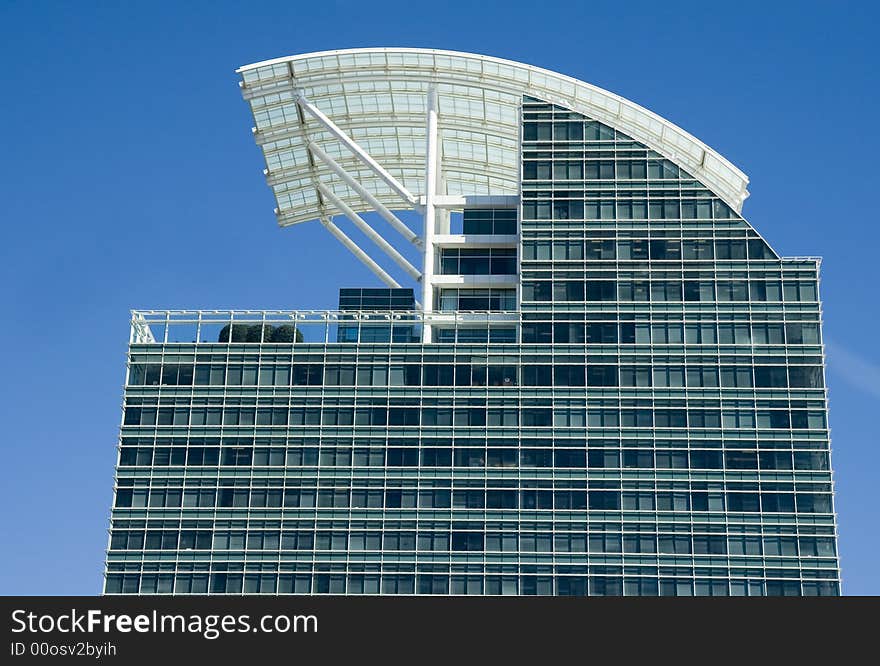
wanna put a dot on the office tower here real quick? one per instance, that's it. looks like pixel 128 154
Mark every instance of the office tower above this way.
pixel 590 375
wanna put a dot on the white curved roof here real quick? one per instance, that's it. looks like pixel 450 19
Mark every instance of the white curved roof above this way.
pixel 377 96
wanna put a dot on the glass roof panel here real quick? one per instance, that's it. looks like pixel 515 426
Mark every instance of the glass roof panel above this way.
pixel 378 97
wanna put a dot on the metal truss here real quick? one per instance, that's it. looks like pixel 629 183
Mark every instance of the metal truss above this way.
pixel 434 205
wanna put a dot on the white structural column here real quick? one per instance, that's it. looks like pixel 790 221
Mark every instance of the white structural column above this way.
pixel 359 253
pixel 430 211
pixel 380 208
pixel 359 152
pixel 444 215
pixel 369 232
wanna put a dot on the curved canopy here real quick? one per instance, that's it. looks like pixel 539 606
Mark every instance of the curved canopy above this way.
pixel 377 97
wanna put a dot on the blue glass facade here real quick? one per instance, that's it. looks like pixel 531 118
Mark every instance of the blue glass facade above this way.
pixel 641 411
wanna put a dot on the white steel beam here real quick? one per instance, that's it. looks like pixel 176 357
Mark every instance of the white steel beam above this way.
pixel 461 201
pixel 380 208
pixel 359 253
pixel 359 152
pixel 430 211
pixel 476 240
pixel 369 231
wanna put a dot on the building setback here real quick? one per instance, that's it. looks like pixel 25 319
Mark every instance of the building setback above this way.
pixel 591 376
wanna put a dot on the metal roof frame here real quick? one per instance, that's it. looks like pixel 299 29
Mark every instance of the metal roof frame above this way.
pixel 376 98
pixel 383 129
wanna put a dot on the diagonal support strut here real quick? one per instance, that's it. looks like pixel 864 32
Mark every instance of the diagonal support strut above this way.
pixel 380 208
pixel 369 231
pixel 359 253
pixel 359 152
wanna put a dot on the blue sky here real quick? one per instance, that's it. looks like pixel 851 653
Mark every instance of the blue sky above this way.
pixel 129 178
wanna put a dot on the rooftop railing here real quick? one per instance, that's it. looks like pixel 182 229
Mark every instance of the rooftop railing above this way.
pixel 300 326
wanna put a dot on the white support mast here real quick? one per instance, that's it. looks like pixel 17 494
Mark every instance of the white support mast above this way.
pixel 430 210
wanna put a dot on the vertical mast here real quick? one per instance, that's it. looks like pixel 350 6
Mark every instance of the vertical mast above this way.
pixel 431 178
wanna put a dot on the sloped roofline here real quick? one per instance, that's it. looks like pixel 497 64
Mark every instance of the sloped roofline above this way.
pixel 346 72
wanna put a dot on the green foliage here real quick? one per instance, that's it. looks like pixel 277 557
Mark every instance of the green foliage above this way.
pixel 256 333
pixel 239 333
pixel 287 333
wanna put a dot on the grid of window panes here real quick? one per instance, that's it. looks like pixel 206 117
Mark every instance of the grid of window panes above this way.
pixel 700 353
pixel 374 300
pixel 658 427
pixel 490 221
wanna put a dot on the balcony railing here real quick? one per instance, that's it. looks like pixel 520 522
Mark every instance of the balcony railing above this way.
pixel 312 326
